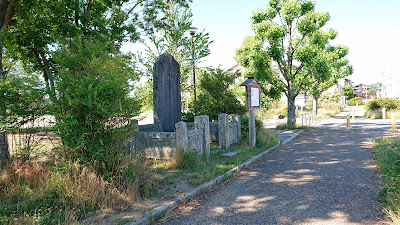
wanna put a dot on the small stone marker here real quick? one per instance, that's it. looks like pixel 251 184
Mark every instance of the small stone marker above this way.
pixel 230 153
pixel 166 93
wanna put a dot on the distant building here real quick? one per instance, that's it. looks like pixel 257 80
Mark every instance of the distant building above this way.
pixel 390 86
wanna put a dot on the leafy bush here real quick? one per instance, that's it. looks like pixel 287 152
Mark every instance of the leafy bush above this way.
pixel 355 101
pixel 215 96
pixel 93 110
pixel 379 103
pixel 244 124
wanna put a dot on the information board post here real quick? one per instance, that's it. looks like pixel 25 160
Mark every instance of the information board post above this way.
pixel 253 89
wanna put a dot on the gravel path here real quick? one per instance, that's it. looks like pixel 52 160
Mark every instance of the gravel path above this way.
pixel 325 176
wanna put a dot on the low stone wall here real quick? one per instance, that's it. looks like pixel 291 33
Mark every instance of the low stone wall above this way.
pixel 157 145
pixel 214 132
pixel 196 136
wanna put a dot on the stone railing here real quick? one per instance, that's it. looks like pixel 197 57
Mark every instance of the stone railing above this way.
pixel 196 136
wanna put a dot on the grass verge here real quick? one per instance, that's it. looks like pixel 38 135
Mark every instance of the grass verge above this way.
pixel 66 192
pixel 291 127
pixel 196 170
pixel 387 153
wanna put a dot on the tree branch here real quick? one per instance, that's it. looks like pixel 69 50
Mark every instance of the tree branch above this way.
pixel 9 15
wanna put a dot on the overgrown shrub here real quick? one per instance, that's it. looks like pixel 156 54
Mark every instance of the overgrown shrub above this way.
pixel 355 101
pixel 214 96
pixel 94 109
pixel 244 127
pixel 379 103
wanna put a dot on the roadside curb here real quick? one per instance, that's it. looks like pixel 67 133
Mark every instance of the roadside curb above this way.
pixel 161 210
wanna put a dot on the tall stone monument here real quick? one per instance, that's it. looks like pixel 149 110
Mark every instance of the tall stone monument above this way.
pixel 166 93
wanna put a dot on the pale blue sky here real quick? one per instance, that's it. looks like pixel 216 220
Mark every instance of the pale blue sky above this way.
pixel 370 28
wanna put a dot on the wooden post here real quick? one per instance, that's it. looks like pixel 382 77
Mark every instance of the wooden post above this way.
pixel 252 128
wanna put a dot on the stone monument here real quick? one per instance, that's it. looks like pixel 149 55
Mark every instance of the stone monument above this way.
pixel 166 93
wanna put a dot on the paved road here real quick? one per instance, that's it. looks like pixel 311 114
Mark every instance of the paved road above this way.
pixel 325 176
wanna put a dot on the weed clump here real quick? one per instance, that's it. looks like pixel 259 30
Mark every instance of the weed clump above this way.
pixel 65 192
pixel 186 159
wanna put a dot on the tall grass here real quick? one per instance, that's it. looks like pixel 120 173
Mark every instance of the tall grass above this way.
pixel 35 193
pixel 388 159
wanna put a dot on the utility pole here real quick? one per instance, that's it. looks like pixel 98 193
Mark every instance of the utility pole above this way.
pixel 192 31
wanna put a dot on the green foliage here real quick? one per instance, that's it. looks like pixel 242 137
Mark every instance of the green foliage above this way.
pixel 355 101
pixel 172 37
pixel 290 33
pixel 244 127
pixel 144 94
pixel 379 103
pixel 215 96
pixel 348 92
pixel 22 99
pixel 186 159
pixel 256 62
pixel 94 110
pixel 387 154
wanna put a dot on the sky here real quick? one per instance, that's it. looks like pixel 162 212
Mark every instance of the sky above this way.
pixel 370 28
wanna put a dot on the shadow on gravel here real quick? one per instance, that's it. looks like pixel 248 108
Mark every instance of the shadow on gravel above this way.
pixel 324 177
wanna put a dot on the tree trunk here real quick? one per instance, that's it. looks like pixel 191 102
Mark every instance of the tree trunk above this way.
pixel 4 154
pixel 291 119
pixel 315 105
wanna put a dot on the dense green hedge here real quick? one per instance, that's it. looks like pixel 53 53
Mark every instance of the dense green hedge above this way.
pixel 379 103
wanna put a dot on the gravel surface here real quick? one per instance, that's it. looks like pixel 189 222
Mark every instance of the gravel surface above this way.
pixel 325 176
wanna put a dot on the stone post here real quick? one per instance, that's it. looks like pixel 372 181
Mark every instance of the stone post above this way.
pixel 236 119
pixel 4 153
pixel 223 130
pixel 181 135
pixel 202 122
pixel 384 114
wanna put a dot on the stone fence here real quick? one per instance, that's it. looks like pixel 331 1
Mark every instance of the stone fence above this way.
pixel 195 135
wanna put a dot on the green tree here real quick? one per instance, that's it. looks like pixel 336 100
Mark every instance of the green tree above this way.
pixel 284 28
pixel 7 11
pixel 327 66
pixel 172 37
pixel 215 95
pixel 76 46
pixel 257 63
pixel 348 92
